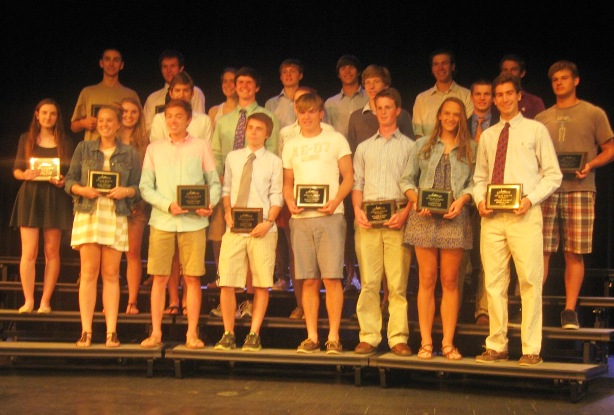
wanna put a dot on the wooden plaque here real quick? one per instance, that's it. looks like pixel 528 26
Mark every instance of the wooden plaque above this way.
pixel 436 200
pixel 245 219
pixel 48 168
pixel 311 195
pixel 193 197
pixel 103 181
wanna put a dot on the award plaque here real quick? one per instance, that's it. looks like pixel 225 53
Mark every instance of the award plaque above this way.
pixel 503 196
pixel 571 162
pixel 436 200
pixel 48 168
pixel 379 211
pixel 103 181
pixel 193 197
pixel 311 195
pixel 245 219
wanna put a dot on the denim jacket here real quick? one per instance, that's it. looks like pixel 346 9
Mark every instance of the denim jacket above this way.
pixel 87 156
pixel 420 172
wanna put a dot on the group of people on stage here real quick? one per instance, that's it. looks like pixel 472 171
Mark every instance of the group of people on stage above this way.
pixel 332 183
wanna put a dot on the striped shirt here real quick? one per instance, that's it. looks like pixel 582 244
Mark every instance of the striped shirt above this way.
pixel 379 164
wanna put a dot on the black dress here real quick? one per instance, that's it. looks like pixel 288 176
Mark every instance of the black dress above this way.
pixel 39 204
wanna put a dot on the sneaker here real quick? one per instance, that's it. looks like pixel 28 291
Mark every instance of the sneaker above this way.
pixel 308 346
pixel 246 308
pixel 530 360
pixel 352 285
pixel 280 285
pixel 333 347
pixel 491 356
pixel 227 342
pixel 252 343
pixel 217 312
pixel 569 320
pixel 297 313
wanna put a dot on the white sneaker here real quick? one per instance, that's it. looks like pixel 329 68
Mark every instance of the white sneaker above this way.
pixel 246 308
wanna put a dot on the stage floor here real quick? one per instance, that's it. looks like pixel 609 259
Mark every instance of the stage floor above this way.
pixel 260 389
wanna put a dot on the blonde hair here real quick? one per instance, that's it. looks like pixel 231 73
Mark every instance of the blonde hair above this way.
pixel 139 138
pixel 462 134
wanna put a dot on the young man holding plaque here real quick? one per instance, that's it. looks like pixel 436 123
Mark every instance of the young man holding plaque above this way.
pixel 178 160
pixel 318 163
pixel 252 198
pixel 378 165
pixel 579 130
pixel 229 134
pixel 515 157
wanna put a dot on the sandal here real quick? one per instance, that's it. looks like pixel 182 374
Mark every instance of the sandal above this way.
pixel 450 352
pixel 195 344
pixel 172 309
pixel 185 311
pixel 131 309
pixel 425 352
pixel 85 340
pixel 151 343
pixel 112 340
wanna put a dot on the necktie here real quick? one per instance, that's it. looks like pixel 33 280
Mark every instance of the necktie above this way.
pixel 499 167
pixel 240 131
pixel 246 181
pixel 167 98
pixel 478 130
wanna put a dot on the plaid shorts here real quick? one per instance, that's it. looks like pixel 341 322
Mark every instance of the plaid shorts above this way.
pixel 570 215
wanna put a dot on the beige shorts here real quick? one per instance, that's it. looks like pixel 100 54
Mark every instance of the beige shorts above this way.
pixel 240 253
pixel 191 246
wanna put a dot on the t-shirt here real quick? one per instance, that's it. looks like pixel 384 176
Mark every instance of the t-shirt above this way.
pixel 315 160
pixel 580 128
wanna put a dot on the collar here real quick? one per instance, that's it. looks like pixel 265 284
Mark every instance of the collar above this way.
pixel 359 91
pixel 250 108
pixel 396 134
pixel 259 153
pixel 453 88
pixel 367 108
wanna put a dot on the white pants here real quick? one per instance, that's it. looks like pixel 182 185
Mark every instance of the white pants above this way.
pixel 506 235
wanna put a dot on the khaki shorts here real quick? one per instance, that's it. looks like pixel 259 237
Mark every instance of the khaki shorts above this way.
pixel 240 253
pixel 191 246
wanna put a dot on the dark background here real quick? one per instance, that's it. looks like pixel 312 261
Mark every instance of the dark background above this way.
pixel 52 50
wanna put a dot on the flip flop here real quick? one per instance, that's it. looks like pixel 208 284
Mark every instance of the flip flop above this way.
pixel 173 309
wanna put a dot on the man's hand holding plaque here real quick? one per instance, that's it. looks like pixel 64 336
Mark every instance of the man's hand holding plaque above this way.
pixel 312 196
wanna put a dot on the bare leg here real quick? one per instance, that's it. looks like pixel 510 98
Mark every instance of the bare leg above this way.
pixel 110 286
pixel 450 263
pixel 173 281
pixel 52 239
pixel 547 265
pixel 90 269
pixel 27 264
pixel 334 306
pixel 261 302
pixel 427 266
pixel 158 299
pixel 311 306
pixel 574 276
pixel 134 270
pixel 228 300
pixel 194 299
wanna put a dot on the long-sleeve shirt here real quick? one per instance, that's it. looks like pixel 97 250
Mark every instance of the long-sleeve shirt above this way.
pixel 168 165
pixel 530 161
pixel 379 165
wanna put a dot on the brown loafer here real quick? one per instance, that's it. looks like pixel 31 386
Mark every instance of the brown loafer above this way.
pixel 401 349
pixel 364 348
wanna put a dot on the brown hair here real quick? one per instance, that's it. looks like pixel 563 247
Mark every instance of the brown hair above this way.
pixel 59 135
pixel 187 107
pixel 262 117
pixel 139 138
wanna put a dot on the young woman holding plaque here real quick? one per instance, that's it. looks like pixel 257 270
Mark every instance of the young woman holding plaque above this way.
pixel 100 228
pixel 133 133
pixel 445 160
pixel 41 202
